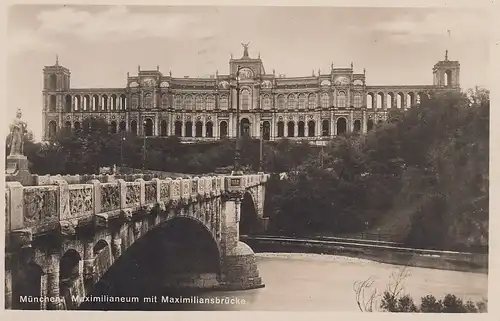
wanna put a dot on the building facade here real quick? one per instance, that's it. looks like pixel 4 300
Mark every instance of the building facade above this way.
pixel 313 108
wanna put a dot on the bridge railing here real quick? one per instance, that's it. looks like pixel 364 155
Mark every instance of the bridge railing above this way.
pixel 62 206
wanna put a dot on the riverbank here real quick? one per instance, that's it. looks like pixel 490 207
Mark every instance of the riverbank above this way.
pixel 382 253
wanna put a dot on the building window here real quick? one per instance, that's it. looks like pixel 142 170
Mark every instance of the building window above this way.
pixel 266 102
pixel 341 99
pixel 188 102
pixel 358 99
pixel 281 129
pixel 266 130
pixel 245 99
pixel 163 128
pixel 312 101
pixel 223 102
pixel 209 131
pixel 178 128
pixel 210 104
pixel 164 101
pixel 302 101
pixel 68 105
pixel 325 128
pixel 53 82
pixel 311 128
pixel 245 127
pixel 291 102
pixel 104 105
pixel 281 102
pixel 135 101
pixel 290 129
pixel 223 129
pixel 178 102
pixel 52 103
pixel 52 129
pixel 301 129
pixel 357 125
pixel 148 127
pixel 95 102
pixel 133 127
pixel 148 101
pixel 123 102
pixel 113 102
pixel 341 126
pixel 198 129
pixel 76 103
pixel 325 100
pixel 199 102
pixel 189 129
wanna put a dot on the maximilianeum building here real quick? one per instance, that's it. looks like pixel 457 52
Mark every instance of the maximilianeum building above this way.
pixel 313 108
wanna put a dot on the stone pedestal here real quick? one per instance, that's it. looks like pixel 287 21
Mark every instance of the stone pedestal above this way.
pixel 240 269
pixel 17 170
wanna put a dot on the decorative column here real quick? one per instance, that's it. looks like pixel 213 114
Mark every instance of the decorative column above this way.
pixel 53 282
pixel 351 122
pixel 239 270
pixel 364 122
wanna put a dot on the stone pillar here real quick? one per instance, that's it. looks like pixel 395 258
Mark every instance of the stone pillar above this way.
pixel 53 282
pixel 364 122
pixel 203 129
pixel 116 245
pixel 88 263
pixel 156 126
pixel 239 270
pixel 8 281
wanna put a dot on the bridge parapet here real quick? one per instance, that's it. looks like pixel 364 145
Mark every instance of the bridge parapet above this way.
pixel 62 206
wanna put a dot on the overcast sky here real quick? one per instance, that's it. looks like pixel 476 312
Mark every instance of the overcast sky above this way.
pixel 99 44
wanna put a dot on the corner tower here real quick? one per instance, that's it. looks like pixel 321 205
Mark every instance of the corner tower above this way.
pixel 447 73
pixel 56 82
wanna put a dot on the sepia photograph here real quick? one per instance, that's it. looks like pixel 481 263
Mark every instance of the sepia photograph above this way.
pixel 247 158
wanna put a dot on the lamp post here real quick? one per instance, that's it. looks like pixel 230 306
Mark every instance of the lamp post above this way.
pixel 237 154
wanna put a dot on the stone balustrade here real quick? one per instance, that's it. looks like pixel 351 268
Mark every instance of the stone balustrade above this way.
pixel 60 204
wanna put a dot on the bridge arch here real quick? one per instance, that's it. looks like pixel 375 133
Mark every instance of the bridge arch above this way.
pixel 69 273
pixel 249 216
pixel 177 254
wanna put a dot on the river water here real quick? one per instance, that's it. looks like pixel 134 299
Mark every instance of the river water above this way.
pixel 314 282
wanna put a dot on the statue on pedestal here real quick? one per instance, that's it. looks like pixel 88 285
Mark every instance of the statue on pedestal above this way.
pixel 17 131
pixel 17 163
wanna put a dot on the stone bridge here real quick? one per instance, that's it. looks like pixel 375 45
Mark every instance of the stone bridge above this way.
pixel 66 242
